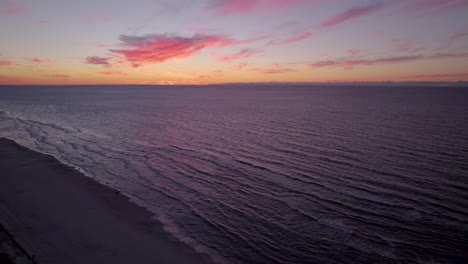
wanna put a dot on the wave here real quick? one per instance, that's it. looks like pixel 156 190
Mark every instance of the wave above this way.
pixel 287 187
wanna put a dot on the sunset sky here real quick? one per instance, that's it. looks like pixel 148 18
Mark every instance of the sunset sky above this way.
pixel 223 41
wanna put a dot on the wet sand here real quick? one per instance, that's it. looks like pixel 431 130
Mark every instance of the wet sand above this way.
pixel 58 215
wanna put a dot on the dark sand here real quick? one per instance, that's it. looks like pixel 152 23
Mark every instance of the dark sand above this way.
pixel 58 215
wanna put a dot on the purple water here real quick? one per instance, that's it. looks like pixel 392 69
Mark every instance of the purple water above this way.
pixel 270 174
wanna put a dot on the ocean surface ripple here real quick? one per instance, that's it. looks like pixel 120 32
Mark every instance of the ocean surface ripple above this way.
pixel 270 174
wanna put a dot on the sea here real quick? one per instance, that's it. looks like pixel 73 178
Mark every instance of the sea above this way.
pixel 270 173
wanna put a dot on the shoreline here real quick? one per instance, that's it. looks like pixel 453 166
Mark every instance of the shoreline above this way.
pixel 58 215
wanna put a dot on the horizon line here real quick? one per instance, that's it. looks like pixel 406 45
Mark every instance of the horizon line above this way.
pixel 438 83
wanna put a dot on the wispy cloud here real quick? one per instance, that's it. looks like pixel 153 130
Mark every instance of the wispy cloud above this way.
pixel 98 60
pixel 227 7
pixel 240 66
pixel 275 68
pixel 9 80
pixel 295 38
pixel 206 77
pixel 432 7
pixel 39 22
pixel 8 7
pixel 353 13
pixel 274 71
pixel 242 7
pixel 98 16
pixel 38 60
pixel 348 63
pixel 403 45
pixel 455 37
pixel 113 73
pixel 244 53
pixel 353 51
pixel 159 48
pixel 62 76
pixel 5 62
pixel 438 76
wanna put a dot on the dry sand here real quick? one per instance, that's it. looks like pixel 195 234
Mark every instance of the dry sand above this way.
pixel 58 215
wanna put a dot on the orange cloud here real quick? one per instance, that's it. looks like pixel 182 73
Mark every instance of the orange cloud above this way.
pixel 63 76
pixel 114 73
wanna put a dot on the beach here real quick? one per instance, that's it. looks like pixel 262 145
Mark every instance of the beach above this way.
pixel 58 215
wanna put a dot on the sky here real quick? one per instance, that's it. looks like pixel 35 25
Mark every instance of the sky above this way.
pixel 225 41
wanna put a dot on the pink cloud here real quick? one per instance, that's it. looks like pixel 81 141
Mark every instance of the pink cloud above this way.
pixel 4 62
pixel 244 53
pixel 37 60
pixel 159 48
pixel 113 73
pixel 455 37
pixel 348 64
pixel 9 8
pixel 230 7
pixel 296 38
pixel 42 22
pixel 351 14
pixel 353 51
pixel 458 36
pixel 98 60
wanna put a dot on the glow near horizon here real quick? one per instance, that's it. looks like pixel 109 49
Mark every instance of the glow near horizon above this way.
pixel 220 41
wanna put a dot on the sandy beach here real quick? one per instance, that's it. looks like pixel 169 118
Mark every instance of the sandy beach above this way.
pixel 57 215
